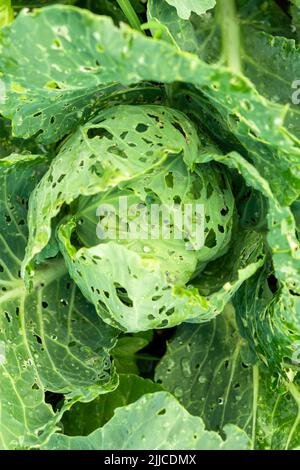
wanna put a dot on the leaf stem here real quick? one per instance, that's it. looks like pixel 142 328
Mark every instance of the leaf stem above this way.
pixel 130 14
pixel 230 31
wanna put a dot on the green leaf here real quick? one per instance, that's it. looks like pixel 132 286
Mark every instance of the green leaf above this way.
pixel 166 25
pixel 10 144
pixel 51 339
pixel 256 123
pixel 84 418
pixel 124 353
pixel 132 428
pixel 6 13
pixel 186 7
pixel 273 64
pixel 270 321
pixel 273 324
pixel 208 368
pixel 295 9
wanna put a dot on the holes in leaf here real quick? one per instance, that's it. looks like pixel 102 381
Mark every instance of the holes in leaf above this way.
pixel 99 132
pixel 163 324
pixel 56 44
pixel 39 113
pixel 141 128
pixel 38 339
pixel 44 304
pixel 61 177
pixel 106 294
pixel 179 128
pixel 252 133
pixel 294 293
pixel 177 200
pixel 151 317
pixel 1 269
pixel 170 311
pixel 52 120
pixel 161 412
pixel 169 180
pixel 156 297
pixel 210 241
pixel 7 316
pixel 97 169
pixel 224 211
pixel 114 149
pixel 226 364
pixel 7 220
pixel 53 85
pixel 272 283
pixel 221 228
pixel 123 295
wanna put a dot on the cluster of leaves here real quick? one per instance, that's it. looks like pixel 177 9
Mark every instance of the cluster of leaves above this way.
pixel 160 101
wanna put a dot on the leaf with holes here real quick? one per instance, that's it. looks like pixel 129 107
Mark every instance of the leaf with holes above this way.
pixel 132 428
pixel 211 372
pixel 51 339
pixel 50 105
pixel 84 418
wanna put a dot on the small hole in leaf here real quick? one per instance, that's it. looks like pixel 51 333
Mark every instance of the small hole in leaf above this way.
pixel 7 317
pixel 141 128
pixel 210 241
pixel 169 180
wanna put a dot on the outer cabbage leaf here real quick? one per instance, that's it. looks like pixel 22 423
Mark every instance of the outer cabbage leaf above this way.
pixel 280 314
pixel 186 7
pixel 129 57
pixel 132 428
pixel 51 339
pixel 209 370
pixel 270 321
pixel 84 418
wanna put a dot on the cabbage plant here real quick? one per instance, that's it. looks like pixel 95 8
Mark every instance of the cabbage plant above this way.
pixel 150 194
